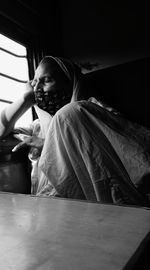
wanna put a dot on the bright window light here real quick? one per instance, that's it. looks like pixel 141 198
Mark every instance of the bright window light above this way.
pixel 13 66
pixel 10 90
pixel 12 46
pixel 13 75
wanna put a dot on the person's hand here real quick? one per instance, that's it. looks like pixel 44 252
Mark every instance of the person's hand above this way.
pixel 32 141
pixel 29 93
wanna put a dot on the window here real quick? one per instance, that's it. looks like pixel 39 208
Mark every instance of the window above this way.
pixel 13 75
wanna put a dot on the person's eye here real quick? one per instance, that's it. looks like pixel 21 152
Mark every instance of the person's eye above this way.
pixel 48 79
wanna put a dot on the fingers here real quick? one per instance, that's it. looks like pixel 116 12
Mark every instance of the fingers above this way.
pixel 29 86
pixel 31 141
pixel 18 146
pixel 26 140
pixel 33 83
pixel 23 137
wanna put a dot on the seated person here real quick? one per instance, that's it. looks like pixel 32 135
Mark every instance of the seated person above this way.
pixel 79 148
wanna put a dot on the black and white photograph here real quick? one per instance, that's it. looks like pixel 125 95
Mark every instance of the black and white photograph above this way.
pixel 74 135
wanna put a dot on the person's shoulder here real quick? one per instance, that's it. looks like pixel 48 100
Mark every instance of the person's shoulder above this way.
pixel 104 105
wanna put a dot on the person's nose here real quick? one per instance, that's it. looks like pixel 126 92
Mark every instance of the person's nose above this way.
pixel 38 86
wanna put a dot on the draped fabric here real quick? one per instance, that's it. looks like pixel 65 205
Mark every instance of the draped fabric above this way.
pixel 81 152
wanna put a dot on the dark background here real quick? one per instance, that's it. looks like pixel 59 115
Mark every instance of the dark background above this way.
pixel 103 32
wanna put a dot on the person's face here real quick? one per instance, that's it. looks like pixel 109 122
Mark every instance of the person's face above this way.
pixel 44 79
pixel 52 90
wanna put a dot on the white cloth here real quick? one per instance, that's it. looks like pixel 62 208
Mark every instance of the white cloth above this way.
pixel 80 148
pixel 81 152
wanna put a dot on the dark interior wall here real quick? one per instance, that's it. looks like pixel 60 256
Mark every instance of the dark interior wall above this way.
pixel 33 22
pixel 105 31
pixel 124 87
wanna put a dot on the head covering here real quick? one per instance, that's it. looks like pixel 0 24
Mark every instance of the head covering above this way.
pixel 71 70
pixel 52 101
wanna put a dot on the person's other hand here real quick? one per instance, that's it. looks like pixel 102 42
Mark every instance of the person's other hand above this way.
pixel 31 141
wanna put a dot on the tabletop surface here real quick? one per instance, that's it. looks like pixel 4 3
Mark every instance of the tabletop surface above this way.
pixel 60 234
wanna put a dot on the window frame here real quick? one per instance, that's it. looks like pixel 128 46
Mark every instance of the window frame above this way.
pixel 32 56
pixel 13 78
pixel 24 32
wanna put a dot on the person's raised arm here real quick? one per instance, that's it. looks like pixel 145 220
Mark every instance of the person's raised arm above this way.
pixel 14 111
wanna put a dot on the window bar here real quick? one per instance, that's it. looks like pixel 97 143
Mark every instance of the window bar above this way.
pixel 12 78
pixel 16 55
pixel 5 101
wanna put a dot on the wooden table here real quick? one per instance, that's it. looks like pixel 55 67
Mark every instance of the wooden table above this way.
pixel 59 234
